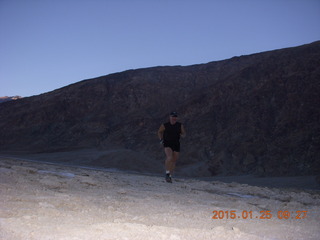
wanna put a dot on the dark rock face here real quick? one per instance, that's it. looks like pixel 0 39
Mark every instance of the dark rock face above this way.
pixel 251 114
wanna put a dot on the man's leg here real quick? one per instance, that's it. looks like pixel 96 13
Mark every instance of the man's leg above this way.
pixel 168 164
pixel 175 156
pixel 169 156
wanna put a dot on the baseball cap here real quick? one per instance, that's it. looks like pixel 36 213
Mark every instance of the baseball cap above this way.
pixel 174 114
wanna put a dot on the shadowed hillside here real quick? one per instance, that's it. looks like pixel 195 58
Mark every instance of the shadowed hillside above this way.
pixel 256 114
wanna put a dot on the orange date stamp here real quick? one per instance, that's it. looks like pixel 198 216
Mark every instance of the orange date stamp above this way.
pixel 233 214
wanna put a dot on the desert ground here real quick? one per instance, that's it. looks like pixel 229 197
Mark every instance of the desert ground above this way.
pixel 43 201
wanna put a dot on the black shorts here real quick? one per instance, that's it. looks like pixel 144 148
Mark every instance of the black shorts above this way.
pixel 175 146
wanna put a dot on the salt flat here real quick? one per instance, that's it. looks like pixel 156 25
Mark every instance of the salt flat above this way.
pixel 46 201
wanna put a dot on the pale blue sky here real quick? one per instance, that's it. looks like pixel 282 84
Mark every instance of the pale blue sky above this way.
pixel 48 44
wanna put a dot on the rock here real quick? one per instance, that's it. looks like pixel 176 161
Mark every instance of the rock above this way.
pixel 249 159
pixel 6 98
pixel 236 230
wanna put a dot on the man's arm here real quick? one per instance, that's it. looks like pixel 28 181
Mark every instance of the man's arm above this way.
pixel 183 131
pixel 160 132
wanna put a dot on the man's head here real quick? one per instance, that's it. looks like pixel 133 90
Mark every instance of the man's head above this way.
pixel 173 117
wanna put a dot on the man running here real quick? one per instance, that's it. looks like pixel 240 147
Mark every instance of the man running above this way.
pixel 169 134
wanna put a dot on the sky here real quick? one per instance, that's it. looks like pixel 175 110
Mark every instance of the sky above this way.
pixel 46 44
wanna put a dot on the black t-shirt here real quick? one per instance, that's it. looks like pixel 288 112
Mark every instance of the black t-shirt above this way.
pixel 172 132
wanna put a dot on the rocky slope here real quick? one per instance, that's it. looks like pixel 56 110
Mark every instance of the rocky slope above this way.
pixel 6 98
pixel 251 114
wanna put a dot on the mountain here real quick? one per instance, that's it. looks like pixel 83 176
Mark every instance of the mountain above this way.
pixel 256 114
pixel 6 98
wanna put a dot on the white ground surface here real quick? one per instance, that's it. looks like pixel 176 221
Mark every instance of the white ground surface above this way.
pixel 43 201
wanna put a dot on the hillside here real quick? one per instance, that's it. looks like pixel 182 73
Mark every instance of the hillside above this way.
pixel 255 114
pixel 6 98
